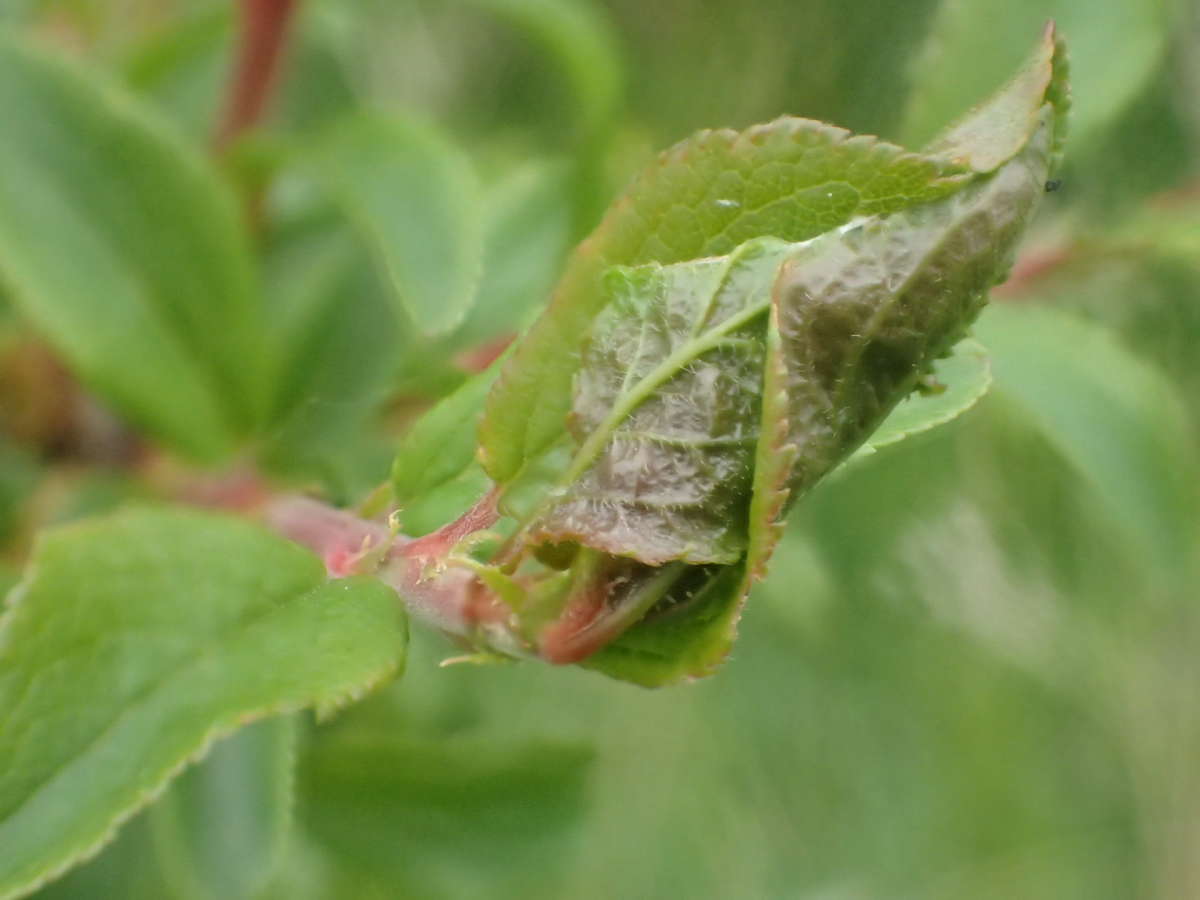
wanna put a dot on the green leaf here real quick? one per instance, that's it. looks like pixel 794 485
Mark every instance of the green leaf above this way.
pixel 972 45
pixel 774 460
pixel 688 639
pixel 691 640
pixel 128 868
pixel 960 380
pixel 668 393
pixel 126 251
pixel 864 312
pixel 527 224
pixel 221 828
pixel 792 179
pixel 182 67
pixel 435 475
pixel 136 641
pixel 1116 419
pixel 995 131
pixel 666 411
pixel 642 523
pixel 335 342
pixel 414 200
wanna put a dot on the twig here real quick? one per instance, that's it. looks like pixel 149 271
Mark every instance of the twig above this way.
pixel 262 35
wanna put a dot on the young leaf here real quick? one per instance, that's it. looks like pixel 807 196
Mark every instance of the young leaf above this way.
pixel 435 474
pixel 644 519
pixel 688 638
pixel 413 198
pixel 994 132
pixel 865 313
pixel 335 342
pixel 691 640
pixel 135 642
pixel 959 382
pixel 792 179
pixel 666 411
pixel 1116 47
pixel 126 251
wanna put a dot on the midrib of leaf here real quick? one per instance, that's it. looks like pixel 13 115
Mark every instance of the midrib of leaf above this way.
pixel 659 375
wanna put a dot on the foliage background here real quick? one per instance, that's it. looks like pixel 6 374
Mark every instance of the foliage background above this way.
pixel 972 671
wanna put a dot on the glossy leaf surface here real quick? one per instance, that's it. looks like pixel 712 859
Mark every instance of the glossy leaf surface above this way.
pixel 865 313
pixel 666 411
pixel 792 179
pixel 646 505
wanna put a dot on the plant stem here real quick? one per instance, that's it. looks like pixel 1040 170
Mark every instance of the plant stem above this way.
pixel 262 34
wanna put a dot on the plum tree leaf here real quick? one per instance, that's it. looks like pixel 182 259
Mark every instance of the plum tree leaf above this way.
pixel 996 130
pixel 125 250
pixel 1115 50
pixel 435 473
pixel 668 394
pixel 959 382
pixel 136 641
pixel 792 179
pixel 865 312
pixel 723 372
pixel 666 411
pixel 690 640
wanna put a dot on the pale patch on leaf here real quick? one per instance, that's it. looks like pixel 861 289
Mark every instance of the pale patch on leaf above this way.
pixel 666 411
pixel 791 179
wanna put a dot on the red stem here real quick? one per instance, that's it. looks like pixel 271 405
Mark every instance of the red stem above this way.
pixel 262 35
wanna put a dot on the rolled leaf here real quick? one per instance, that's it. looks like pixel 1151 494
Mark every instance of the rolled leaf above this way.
pixel 666 410
pixel 738 326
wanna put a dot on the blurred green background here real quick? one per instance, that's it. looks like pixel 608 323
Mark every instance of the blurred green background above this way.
pixel 973 671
